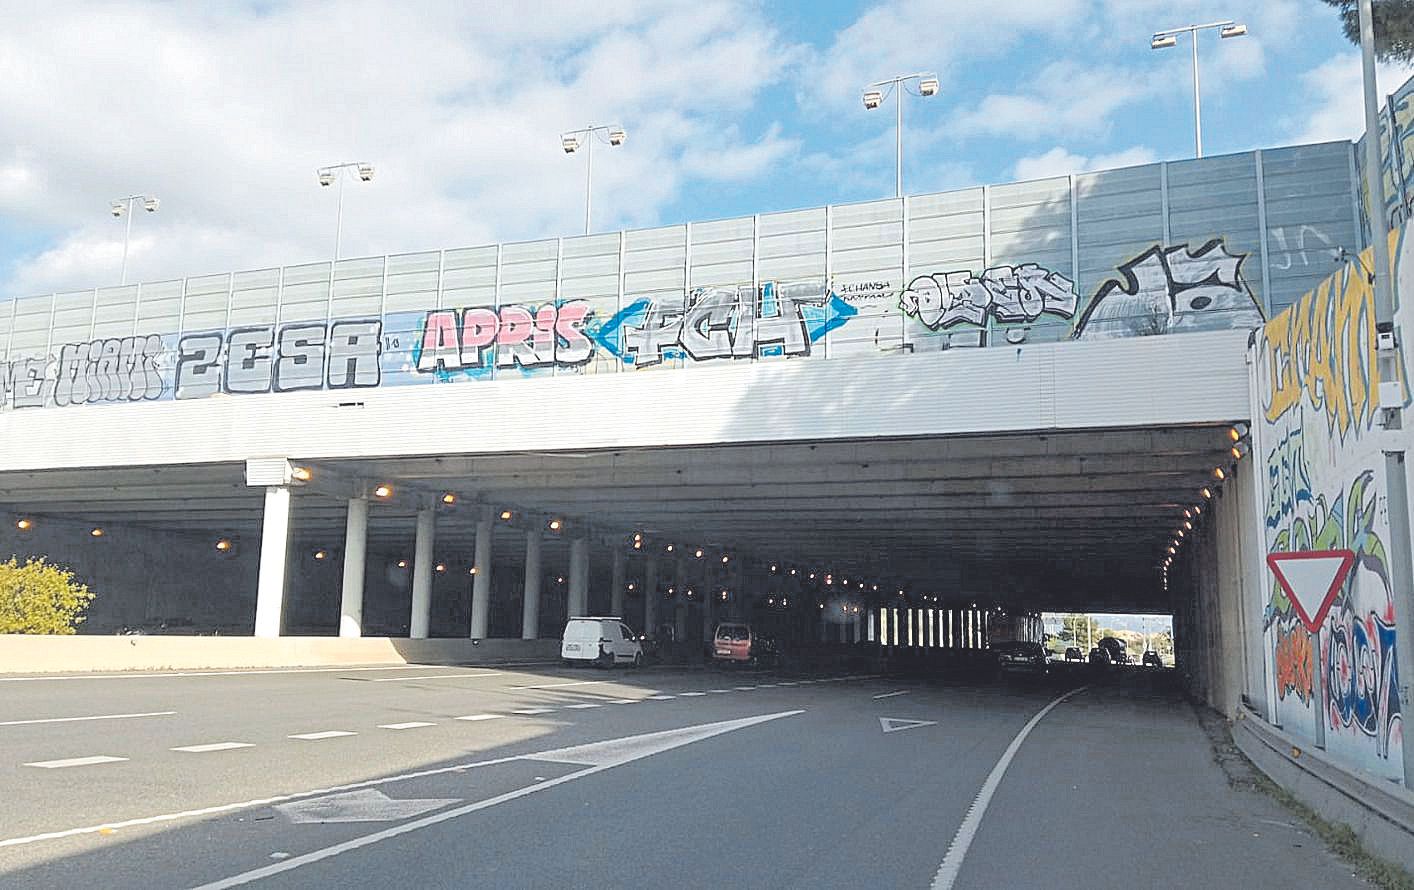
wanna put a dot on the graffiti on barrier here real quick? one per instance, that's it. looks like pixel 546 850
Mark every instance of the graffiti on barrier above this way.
pixel 524 336
pixel 1007 293
pixel 297 356
pixel 1293 662
pixel 1172 290
pixel 1323 347
pixel 725 323
pixel 114 369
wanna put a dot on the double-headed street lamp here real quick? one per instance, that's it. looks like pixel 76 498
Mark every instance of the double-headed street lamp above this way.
pixel 124 207
pixel 571 142
pixel 874 96
pixel 335 172
pixel 1166 39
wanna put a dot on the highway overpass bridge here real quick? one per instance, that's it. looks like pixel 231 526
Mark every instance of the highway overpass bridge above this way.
pixel 881 425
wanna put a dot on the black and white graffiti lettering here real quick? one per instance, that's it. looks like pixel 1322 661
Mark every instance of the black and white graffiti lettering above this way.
pixel 249 361
pixel 354 350
pixel 198 366
pixel 1172 290
pixel 1008 293
pixel 300 364
pixel 721 322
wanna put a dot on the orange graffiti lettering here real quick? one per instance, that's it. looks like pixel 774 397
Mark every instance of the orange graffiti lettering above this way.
pixel 1293 657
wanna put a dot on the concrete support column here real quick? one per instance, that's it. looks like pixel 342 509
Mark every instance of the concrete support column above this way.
pixel 481 582
pixel 579 577
pixel 355 567
pixel 680 608
pixel 274 552
pixel 650 596
pixel 858 627
pixel 616 583
pixel 422 574
pixel 530 614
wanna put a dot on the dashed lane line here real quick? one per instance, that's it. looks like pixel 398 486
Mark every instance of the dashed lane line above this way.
pixel 531 712
pixel 412 724
pixel 435 677
pixel 892 694
pixel 214 746
pixel 474 718
pixel 318 736
pixel 76 761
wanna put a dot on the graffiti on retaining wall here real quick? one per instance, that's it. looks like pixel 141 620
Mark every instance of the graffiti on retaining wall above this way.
pixel 1007 293
pixel 1172 290
pixel 1293 662
pixel 1288 480
pixel 1361 678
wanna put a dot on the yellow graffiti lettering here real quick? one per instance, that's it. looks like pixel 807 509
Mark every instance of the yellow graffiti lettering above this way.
pixel 1323 346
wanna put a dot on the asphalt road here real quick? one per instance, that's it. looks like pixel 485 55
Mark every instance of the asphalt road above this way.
pixel 380 778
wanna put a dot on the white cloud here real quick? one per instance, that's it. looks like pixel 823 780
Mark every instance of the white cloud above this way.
pixel 1059 162
pixel 225 112
pixel 1335 90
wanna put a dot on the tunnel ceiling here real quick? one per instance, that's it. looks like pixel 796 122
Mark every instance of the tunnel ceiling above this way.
pixel 1054 520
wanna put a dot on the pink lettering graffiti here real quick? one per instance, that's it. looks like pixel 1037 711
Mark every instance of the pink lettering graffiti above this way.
pixel 525 336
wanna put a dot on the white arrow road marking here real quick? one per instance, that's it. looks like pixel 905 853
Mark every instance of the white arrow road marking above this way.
pixel 364 805
pixel 898 724
pixel 78 719
pixel 952 860
pixel 76 761
pixel 598 757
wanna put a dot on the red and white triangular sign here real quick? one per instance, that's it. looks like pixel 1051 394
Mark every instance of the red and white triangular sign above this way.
pixel 1311 579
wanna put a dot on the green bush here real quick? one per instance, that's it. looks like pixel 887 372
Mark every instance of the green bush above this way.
pixel 39 598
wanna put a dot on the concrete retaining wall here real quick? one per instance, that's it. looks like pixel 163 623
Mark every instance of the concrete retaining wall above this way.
pixel 79 654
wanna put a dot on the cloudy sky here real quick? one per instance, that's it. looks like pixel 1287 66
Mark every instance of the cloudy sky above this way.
pixel 224 111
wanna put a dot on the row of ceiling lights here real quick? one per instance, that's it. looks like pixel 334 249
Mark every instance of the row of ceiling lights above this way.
pixel 1238 434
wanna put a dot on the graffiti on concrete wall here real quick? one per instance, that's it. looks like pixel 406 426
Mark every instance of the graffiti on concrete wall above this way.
pixel 114 369
pixel 1293 662
pixel 1172 290
pixel 512 336
pixel 1007 293
pixel 1318 384
pixel 288 358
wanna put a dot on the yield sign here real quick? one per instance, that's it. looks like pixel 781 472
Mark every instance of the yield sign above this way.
pixel 1311 579
pixel 895 724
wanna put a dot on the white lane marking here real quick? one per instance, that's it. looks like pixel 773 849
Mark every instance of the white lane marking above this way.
pixel 329 670
pixel 477 717
pixel 690 694
pixel 559 685
pixel 316 736
pixel 623 701
pixel 786 683
pixel 952 860
pixel 892 694
pixel 719 691
pixel 662 697
pixel 76 761
pixel 214 746
pixel 584 706
pixel 435 677
pixel 530 712
pixel 412 724
pixel 77 719
pixel 744 688
pixel 767 686
pixel 602 755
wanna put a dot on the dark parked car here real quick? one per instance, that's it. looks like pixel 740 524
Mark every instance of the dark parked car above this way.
pixel 1023 658
pixel 1073 653
pixel 1152 659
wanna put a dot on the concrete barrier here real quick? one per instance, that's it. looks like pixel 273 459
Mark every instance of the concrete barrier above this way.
pixel 1380 812
pixel 39 654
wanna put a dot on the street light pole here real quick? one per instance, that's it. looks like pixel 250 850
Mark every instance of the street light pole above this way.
pixel 125 206
pixel 873 98
pixel 1168 38
pixel 571 142
pixel 327 177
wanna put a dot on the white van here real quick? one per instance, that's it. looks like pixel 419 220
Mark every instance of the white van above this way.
pixel 602 641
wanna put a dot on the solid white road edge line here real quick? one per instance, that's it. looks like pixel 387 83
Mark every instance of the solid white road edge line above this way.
pixel 309 670
pixel 952 860
pixel 892 694
pixel 614 753
pixel 77 719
